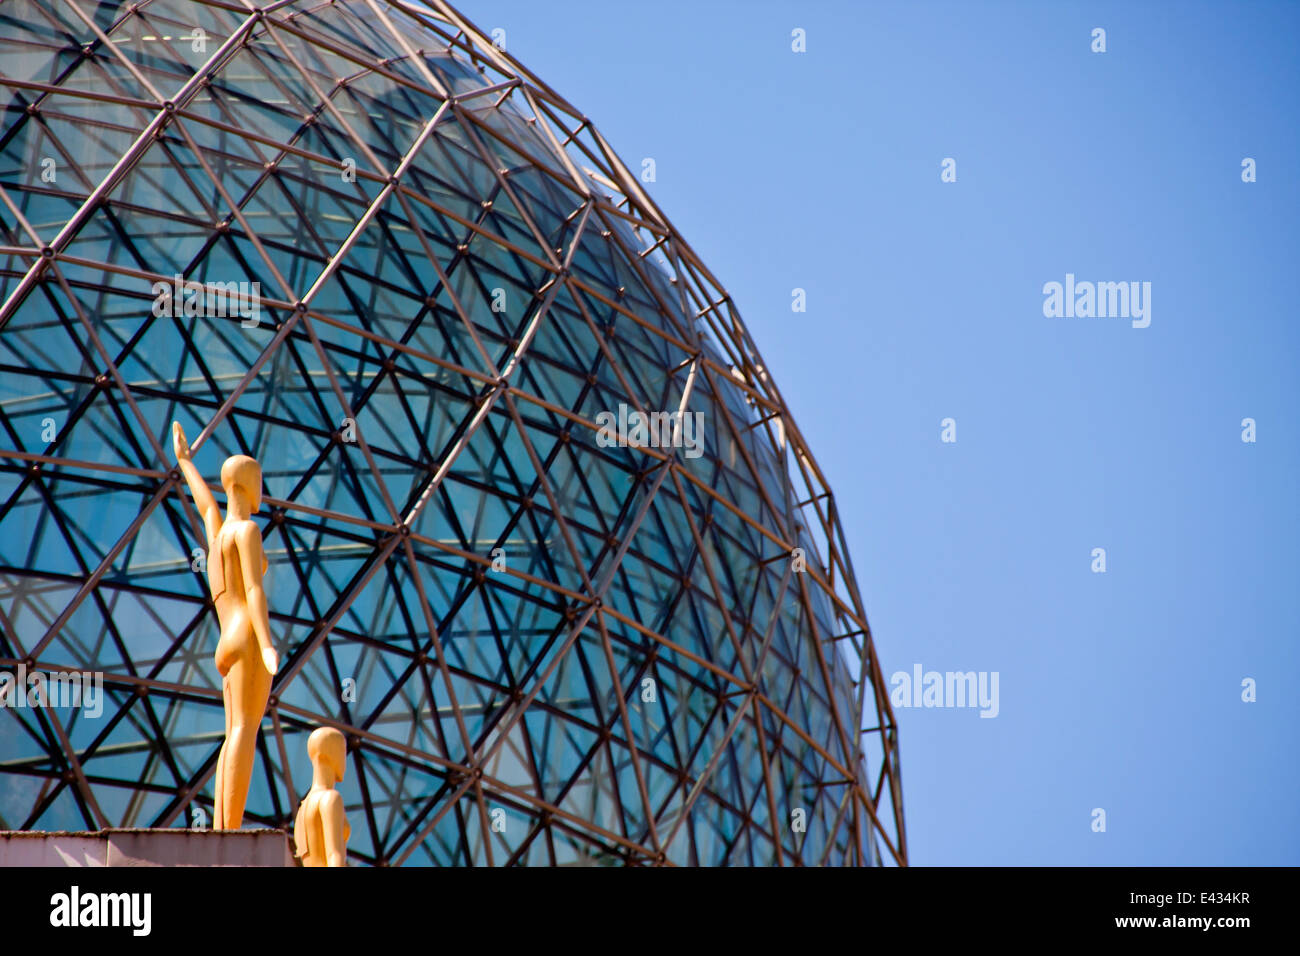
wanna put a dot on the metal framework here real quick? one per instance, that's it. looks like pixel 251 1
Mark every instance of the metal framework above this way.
pixel 454 262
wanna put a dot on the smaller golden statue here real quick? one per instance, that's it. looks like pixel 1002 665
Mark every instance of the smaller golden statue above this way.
pixel 246 658
pixel 321 831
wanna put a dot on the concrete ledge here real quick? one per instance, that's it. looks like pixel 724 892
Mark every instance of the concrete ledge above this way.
pixel 142 847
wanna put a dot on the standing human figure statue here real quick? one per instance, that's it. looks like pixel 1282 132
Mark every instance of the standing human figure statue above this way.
pixel 246 658
pixel 321 831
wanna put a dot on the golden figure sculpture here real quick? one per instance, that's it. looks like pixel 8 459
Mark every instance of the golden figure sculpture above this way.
pixel 246 658
pixel 321 831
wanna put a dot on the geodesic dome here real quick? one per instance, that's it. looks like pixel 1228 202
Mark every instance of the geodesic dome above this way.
pixel 417 286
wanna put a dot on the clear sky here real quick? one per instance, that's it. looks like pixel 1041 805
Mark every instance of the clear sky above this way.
pixel 821 170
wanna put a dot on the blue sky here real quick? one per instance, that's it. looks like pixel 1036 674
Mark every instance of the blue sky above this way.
pixel 821 170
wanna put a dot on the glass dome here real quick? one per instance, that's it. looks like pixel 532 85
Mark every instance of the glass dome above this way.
pixel 361 244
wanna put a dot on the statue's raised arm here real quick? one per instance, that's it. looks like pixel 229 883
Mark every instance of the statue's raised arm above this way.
pixel 203 499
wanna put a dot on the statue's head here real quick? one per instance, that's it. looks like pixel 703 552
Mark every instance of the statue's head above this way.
pixel 244 473
pixel 328 746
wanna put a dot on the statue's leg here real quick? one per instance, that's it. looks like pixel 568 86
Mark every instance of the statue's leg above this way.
pixel 218 814
pixel 250 687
